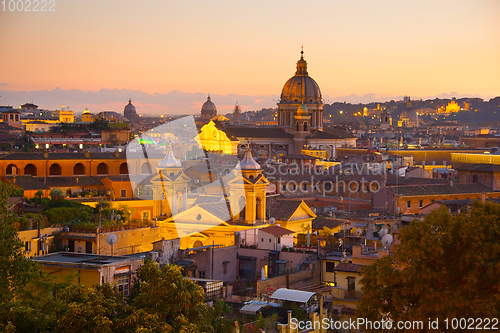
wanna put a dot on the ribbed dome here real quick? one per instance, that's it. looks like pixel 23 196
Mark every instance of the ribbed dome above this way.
pixel 301 87
pixel 409 114
pixel 209 106
pixel 169 161
pixel 129 107
pixel 248 163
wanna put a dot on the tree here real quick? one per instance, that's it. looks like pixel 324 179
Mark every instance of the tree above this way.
pixel 327 233
pixel 15 270
pixel 447 266
pixel 166 294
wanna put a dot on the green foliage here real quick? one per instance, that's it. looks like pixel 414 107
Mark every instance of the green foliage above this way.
pixel 445 267
pixel 162 300
pixel 67 215
pixel 15 270
pixel 56 193
pixel 165 293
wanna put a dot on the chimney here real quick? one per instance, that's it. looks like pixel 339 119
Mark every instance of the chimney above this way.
pixel 86 154
pixel 46 154
pixel 483 197
pixel 117 153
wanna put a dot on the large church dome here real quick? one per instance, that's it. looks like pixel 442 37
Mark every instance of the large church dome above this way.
pixel 208 110
pixel 129 111
pixel 301 88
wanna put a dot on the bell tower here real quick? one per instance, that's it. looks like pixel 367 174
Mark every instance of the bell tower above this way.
pixel 169 187
pixel 248 198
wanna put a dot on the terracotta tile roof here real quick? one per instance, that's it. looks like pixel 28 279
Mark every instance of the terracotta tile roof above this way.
pixel 348 267
pixel 330 133
pixel 276 231
pixel 417 190
pixel 121 178
pixel 281 210
pixel 28 183
pixel 403 181
pixel 481 167
pixel 70 181
pixel 299 157
pixel 328 222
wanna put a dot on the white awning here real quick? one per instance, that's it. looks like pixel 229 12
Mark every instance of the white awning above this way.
pixel 251 308
pixel 284 294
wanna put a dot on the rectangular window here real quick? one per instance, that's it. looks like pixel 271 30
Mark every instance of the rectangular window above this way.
pixel 123 284
pixel 145 216
pixel 124 193
pixel 201 274
pixel 330 265
pixel 408 204
pixel 269 240
pixel 420 203
pixel 27 246
pixel 351 283
pixel 88 247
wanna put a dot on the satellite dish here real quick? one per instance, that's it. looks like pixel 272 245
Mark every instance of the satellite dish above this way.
pixel 359 232
pixel 383 232
pixel 272 220
pixel 387 240
pixel 111 239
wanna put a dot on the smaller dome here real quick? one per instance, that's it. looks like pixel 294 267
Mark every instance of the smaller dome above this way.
pixel 86 111
pixel 302 109
pixel 248 163
pixel 169 161
pixel 129 107
pixel 209 106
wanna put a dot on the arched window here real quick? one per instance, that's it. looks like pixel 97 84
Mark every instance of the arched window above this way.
pixel 475 179
pixel 11 169
pixel 55 170
pixel 123 169
pixel 241 205
pixel 305 126
pixel 258 209
pixel 102 169
pixel 198 243
pixel 146 169
pixel 30 169
pixel 79 169
pixel 297 126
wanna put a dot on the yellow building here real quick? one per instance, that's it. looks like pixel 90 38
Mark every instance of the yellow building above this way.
pixel 38 242
pixel 214 139
pixel 87 117
pixel 65 116
pixel 91 270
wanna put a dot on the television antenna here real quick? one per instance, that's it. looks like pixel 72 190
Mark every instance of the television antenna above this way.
pixel 383 232
pixel 272 220
pixel 359 232
pixel 111 239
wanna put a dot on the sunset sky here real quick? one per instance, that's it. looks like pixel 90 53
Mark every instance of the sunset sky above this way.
pixel 167 55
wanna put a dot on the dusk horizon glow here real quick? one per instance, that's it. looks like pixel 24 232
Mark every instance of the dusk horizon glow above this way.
pixel 184 51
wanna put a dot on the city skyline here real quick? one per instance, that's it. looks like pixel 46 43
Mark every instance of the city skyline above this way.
pixel 168 56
